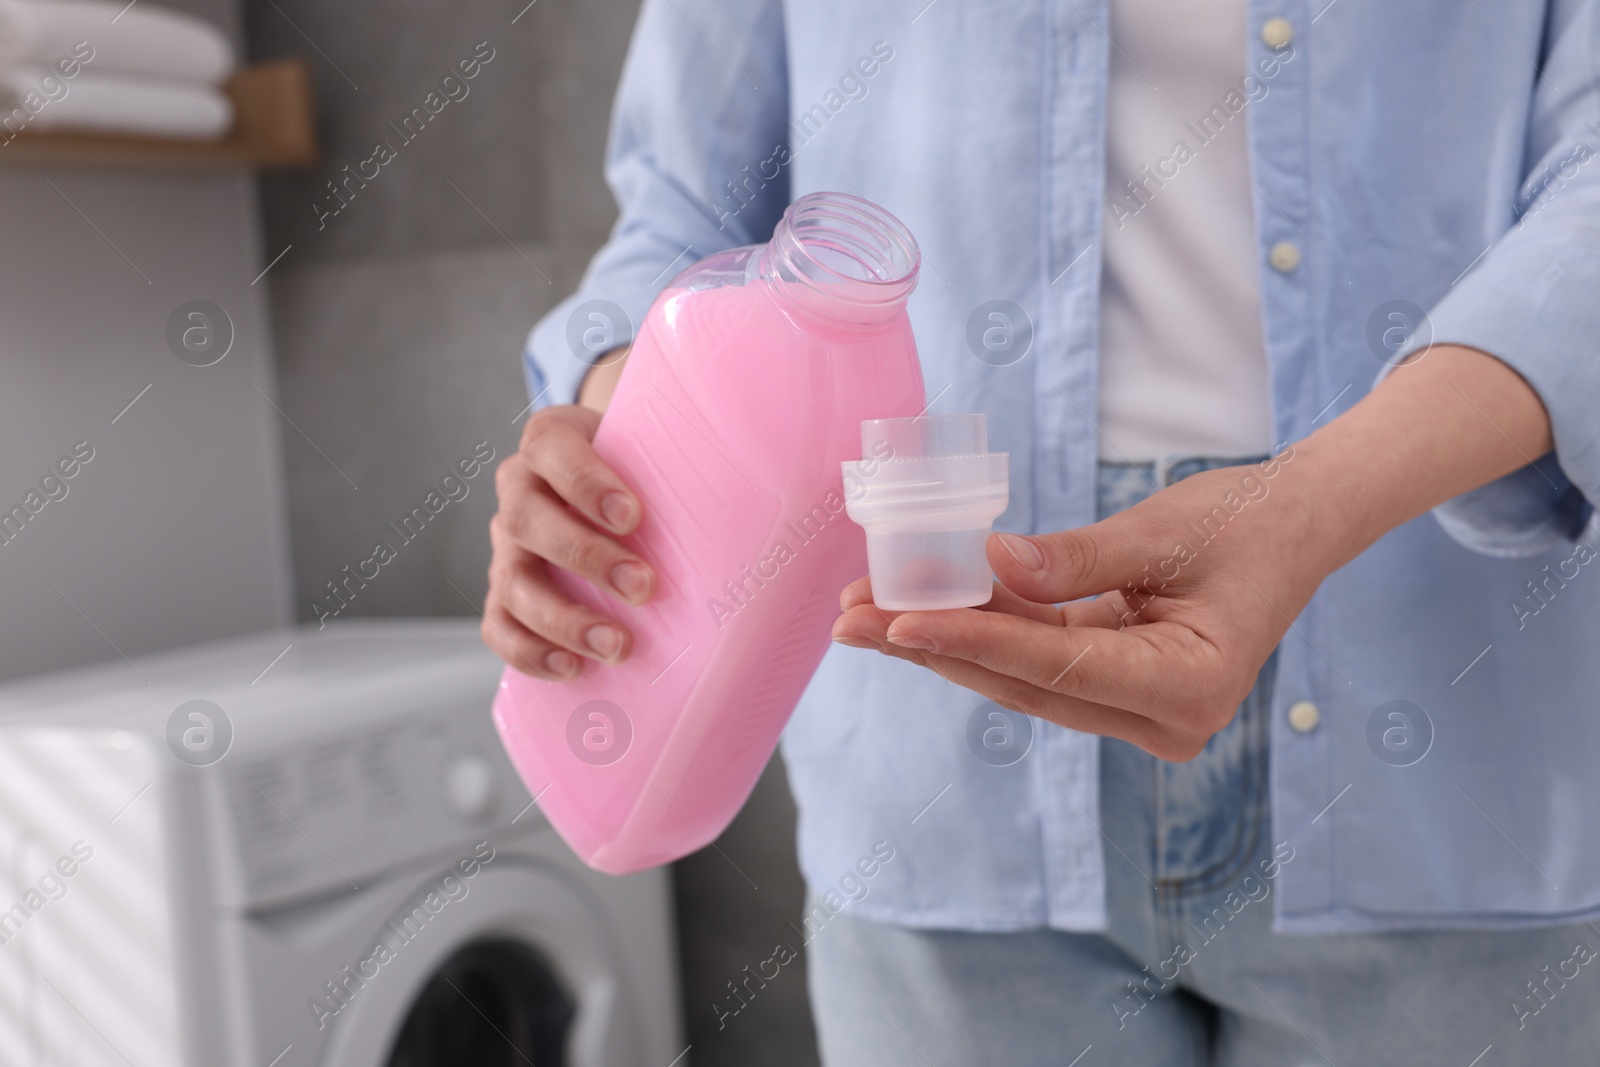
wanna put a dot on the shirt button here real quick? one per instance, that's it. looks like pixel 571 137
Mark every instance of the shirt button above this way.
pixel 1304 716
pixel 1284 257
pixel 1275 33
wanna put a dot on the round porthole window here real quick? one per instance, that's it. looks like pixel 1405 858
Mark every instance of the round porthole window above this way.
pixel 493 1003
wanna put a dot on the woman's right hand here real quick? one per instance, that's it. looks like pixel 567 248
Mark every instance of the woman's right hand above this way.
pixel 560 506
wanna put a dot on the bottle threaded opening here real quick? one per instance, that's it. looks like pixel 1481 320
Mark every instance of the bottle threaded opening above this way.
pixel 849 252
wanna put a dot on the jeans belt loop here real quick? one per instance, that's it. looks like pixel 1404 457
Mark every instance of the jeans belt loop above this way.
pixel 1163 469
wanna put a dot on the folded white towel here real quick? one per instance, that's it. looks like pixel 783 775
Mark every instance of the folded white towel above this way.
pixel 137 39
pixel 37 98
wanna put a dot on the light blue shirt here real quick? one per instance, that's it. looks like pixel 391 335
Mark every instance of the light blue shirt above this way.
pixel 1436 152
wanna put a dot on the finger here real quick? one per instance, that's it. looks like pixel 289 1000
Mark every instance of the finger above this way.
pixel 529 596
pixel 1072 564
pixel 1004 600
pixel 1153 669
pixel 547 528
pixel 559 448
pixel 868 629
pixel 859 592
pixel 862 624
pixel 1060 708
pixel 1069 711
pixel 524 650
pixel 1109 611
pixel 855 594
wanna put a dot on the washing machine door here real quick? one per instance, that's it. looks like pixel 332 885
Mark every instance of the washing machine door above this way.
pixel 519 970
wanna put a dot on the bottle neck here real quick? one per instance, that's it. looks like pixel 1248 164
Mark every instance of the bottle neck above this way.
pixel 842 259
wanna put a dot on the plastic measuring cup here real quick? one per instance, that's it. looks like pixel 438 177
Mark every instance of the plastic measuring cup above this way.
pixel 927 493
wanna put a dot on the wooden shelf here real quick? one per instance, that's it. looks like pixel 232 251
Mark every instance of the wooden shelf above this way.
pixel 274 127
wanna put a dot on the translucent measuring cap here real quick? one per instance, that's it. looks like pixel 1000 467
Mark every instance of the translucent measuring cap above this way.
pixel 926 435
pixel 927 496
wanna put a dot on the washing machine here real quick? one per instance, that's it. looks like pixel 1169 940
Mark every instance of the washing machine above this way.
pixel 306 848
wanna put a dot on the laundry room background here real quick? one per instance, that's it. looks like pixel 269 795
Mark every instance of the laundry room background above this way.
pixel 398 313
pixel 377 351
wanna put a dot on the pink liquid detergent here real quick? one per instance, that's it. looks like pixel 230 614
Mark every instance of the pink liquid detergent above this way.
pixel 745 389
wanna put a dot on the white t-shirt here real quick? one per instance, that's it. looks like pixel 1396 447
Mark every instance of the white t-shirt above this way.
pixel 1183 367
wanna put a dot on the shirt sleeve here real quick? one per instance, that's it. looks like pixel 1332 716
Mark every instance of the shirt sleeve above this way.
pixel 1533 301
pixel 697 133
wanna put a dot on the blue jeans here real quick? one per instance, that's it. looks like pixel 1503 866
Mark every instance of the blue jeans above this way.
pixel 1190 972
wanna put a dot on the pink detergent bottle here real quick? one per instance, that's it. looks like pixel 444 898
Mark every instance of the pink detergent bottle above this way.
pixel 744 391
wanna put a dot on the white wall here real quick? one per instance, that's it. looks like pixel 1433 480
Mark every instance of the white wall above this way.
pixel 175 531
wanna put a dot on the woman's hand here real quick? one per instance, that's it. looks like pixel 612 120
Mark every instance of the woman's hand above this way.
pixel 1197 585
pixel 1194 586
pixel 560 506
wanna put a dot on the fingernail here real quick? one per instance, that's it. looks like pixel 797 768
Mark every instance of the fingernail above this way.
pixel 604 639
pixel 910 640
pixel 631 579
pixel 560 662
pixel 617 510
pixel 855 642
pixel 854 596
pixel 1024 551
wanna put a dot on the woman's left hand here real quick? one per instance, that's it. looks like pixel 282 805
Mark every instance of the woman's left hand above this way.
pixel 1195 585
pixel 1172 643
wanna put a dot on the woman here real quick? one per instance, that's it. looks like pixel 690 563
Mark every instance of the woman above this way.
pixel 1343 805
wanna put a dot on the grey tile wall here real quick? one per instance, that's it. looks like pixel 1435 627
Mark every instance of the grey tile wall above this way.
pixel 401 301
pixel 394 368
pixel 173 532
